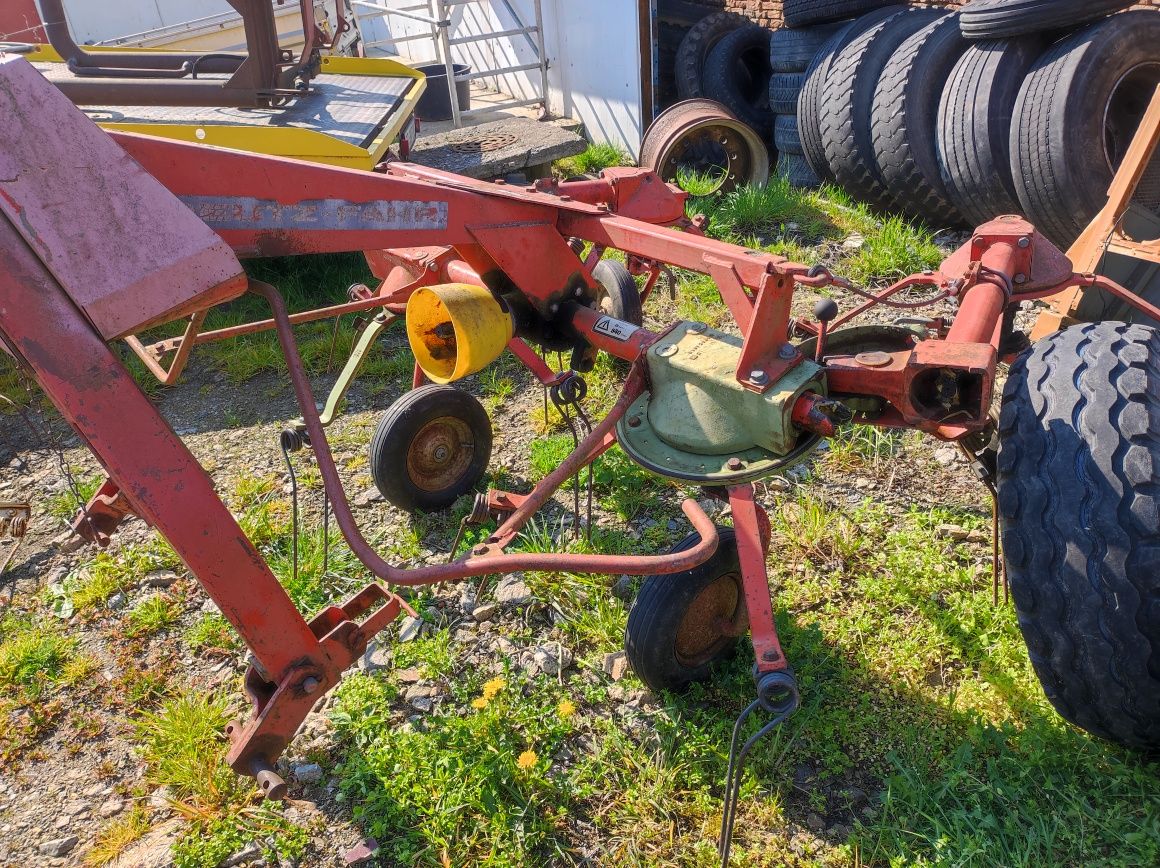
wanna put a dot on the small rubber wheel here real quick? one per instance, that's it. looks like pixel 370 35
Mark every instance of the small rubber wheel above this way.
pixel 682 623
pixel 619 296
pixel 1079 503
pixel 430 447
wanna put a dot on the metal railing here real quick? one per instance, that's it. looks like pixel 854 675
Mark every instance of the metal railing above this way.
pixel 436 14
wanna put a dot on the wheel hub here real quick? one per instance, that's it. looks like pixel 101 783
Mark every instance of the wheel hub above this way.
pixel 711 621
pixel 440 453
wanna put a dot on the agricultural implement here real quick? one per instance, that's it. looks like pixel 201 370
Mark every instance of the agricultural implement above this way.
pixel 106 235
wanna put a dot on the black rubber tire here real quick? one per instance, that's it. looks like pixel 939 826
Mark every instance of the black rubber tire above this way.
pixel 407 419
pixel 695 47
pixel 784 90
pixel 792 50
pixel 974 126
pixel 798 13
pixel 795 169
pixel 650 637
pixel 904 118
pixel 621 299
pixel 785 134
pixel 814 85
pixel 846 104
pixel 737 75
pixel 1075 116
pixel 999 19
pixel 1079 501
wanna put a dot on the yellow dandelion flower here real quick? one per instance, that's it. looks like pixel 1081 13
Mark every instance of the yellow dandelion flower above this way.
pixel 566 709
pixel 479 702
pixel 491 688
pixel 527 759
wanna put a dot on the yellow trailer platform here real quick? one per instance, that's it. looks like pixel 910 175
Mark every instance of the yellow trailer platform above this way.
pixel 356 109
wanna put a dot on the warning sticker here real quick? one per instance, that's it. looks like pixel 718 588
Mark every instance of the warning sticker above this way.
pixel 618 330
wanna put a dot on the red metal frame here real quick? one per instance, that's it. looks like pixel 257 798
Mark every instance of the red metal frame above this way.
pixel 418 227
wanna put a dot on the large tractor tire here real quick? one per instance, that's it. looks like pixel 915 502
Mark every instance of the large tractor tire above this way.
pixel 695 48
pixel 1079 500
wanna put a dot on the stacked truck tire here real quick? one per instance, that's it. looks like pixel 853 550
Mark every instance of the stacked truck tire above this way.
pixel 951 118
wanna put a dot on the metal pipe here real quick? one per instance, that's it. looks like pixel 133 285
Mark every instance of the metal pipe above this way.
pixel 61 38
pixel 980 315
pixel 487 564
pixel 444 25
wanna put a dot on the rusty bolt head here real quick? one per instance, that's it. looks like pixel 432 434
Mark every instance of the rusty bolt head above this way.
pixel 735 463
pixel 634 422
pixel 479 550
pixel 310 685
pixel 873 359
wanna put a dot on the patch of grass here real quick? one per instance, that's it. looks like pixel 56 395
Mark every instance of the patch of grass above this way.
pixel 594 159
pixel 33 657
pixel 477 783
pixel 326 570
pixel 152 615
pixel 184 749
pixel 699 184
pixel 859 447
pixel 116 837
pixel 753 210
pixel 621 484
pixel 211 842
pixel 212 633
pixel 63 504
pixel 431 654
pixel 111 572
pixel 895 250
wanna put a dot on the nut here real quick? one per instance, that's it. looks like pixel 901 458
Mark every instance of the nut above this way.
pixel 758 376
pixel 735 463
pixel 786 352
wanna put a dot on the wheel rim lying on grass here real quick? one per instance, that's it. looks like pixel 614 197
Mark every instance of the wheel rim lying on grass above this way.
pixel 701 137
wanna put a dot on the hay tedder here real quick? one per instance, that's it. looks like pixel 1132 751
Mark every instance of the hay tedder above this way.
pixel 108 234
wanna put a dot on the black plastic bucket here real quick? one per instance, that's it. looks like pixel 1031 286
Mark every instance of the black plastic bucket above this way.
pixel 435 103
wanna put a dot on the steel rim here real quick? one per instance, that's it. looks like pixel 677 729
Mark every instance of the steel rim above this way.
pixel 1125 109
pixel 440 454
pixel 710 623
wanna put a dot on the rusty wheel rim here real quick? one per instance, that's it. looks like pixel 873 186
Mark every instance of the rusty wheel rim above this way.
pixel 440 453
pixel 711 622
pixel 701 136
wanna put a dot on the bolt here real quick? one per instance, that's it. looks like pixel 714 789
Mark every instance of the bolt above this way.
pixel 1024 242
pixel 758 377
pixel 770 656
pixel 786 352
pixel 667 350
pixel 1020 278
pixel 565 198
pixel 928 271
pixel 310 685
pixel 555 308
pixel 634 422
pixel 431 266
pixel 479 550
pixel 579 291
pixel 441 453
pixel 735 464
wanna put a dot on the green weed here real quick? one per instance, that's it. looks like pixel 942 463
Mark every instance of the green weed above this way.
pixel 897 249
pixel 595 158
pixel 152 615
pixel 212 633
pixel 475 784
